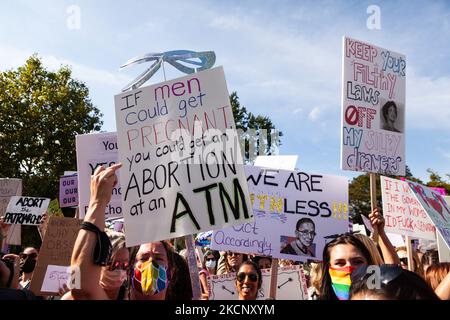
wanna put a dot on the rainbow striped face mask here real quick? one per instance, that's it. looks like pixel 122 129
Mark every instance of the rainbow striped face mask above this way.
pixel 340 281
pixel 150 278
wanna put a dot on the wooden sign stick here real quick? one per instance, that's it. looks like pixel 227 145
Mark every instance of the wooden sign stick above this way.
pixel 373 201
pixel 193 269
pixel 273 279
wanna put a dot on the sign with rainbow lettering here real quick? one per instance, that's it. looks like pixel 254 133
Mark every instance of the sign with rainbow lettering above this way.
pixel 373 109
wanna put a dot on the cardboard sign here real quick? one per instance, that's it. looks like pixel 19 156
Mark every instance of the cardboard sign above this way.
pixel 26 210
pixel 55 254
pixel 9 188
pixel 373 109
pixel 436 207
pixel 94 150
pixel 284 202
pixel 291 285
pixel 402 212
pixel 55 277
pixel 182 167
pixel 68 191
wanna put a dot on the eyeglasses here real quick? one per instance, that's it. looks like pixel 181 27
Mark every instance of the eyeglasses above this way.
pixel 241 276
pixel 404 260
pixel 388 272
pixel 307 233
pixel 230 253
pixel 25 256
pixel 119 265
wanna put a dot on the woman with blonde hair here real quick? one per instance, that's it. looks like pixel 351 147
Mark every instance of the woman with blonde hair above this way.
pixel 403 256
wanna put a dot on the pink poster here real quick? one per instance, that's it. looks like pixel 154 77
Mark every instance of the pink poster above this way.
pixel 68 191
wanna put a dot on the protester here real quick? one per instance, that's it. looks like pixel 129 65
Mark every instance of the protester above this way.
pixel 429 258
pixel 393 283
pixel 315 280
pixel 285 262
pixel 28 260
pixel 248 280
pixel 340 257
pixel 209 267
pixel 230 262
pixel 158 272
pixel 9 279
pixel 403 256
pixel 263 262
pixel 436 273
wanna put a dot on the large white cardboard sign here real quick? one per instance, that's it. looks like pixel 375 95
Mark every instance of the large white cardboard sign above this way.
pixel 373 109
pixel 181 173
pixel 26 210
pixel 9 188
pixel 94 150
pixel 436 207
pixel 294 212
pixel 402 212
pixel 291 285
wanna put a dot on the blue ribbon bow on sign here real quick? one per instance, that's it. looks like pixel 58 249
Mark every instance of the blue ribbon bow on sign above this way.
pixel 207 60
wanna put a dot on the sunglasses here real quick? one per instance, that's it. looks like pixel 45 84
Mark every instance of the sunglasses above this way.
pixel 229 253
pixel 25 256
pixel 210 259
pixel 404 260
pixel 388 273
pixel 119 266
pixel 252 276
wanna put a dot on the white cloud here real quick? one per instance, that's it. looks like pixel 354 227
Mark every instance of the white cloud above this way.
pixel 226 22
pixel 315 113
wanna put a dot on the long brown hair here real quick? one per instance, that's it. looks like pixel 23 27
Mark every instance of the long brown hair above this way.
pixel 436 273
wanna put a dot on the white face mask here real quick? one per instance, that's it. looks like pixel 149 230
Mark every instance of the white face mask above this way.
pixel 210 264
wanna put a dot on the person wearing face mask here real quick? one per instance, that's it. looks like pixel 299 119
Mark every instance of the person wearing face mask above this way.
pixel 28 259
pixel 157 273
pixel 209 267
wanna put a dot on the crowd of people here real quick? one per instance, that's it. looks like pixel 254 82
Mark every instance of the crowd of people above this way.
pixel 352 266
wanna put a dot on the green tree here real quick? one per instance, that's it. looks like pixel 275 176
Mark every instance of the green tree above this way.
pixel 437 181
pixel 257 133
pixel 359 193
pixel 40 114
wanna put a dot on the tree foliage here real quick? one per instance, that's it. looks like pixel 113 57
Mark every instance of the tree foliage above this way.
pixel 40 114
pixel 257 133
pixel 437 181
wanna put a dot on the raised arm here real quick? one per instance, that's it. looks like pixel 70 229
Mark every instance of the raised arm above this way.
pixel 102 183
pixel 387 249
pixel 443 289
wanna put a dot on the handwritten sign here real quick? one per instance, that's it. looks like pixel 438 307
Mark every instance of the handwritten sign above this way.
pixel 277 162
pixel 436 207
pixel 291 285
pixel 26 210
pixel 402 212
pixel 94 150
pixel 373 109
pixel 55 277
pixel 181 172
pixel 9 188
pixel 293 212
pixel 68 191
pixel 54 255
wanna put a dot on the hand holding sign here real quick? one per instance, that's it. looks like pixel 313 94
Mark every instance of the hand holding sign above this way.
pixel 102 183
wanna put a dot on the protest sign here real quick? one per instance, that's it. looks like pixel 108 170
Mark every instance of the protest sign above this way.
pixel 436 207
pixel 373 109
pixel 294 212
pixel 359 228
pixel 291 285
pixel 402 212
pixel 26 210
pixel 55 277
pixel 277 162
pixel 68 191
pixel 54 255
pixel 181 160
pixel 94 150
pixel 9 188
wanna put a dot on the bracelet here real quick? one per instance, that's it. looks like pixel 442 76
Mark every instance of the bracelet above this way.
pixel 103 247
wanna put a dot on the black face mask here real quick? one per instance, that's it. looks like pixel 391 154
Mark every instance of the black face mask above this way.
pixel 27 265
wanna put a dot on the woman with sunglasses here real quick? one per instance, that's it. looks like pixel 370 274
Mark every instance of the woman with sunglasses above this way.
pixel 230 262
pixel 28 260
pixel 417 266
pixel 248 280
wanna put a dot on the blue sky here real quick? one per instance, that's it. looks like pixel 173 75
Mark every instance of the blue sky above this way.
pixel 282 57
